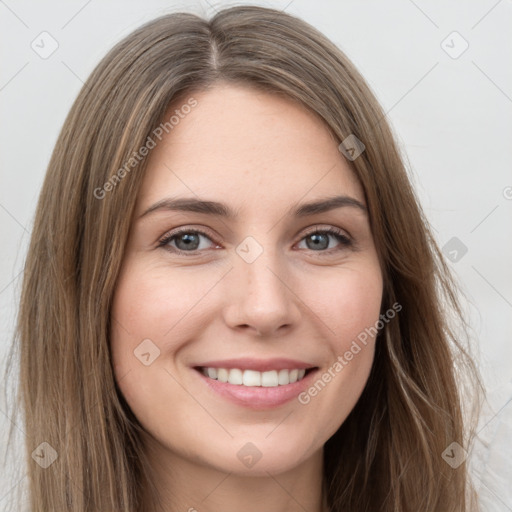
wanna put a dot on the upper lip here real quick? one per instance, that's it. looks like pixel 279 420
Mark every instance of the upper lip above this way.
pixel 261 365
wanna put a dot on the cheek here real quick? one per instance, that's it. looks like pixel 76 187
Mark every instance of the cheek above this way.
pixel 142 312
pixel 151 312
pixel 348 304
pixel 152 303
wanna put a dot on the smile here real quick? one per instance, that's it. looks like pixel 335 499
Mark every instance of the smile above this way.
pixel 253 378
pixel 256 390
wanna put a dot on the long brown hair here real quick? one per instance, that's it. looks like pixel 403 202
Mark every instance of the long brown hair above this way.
pixel 387 455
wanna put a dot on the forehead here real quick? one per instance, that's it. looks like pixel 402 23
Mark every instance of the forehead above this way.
pixel 248 147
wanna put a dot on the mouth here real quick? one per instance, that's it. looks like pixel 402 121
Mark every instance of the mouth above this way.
pixel 256 390
pixel 254 378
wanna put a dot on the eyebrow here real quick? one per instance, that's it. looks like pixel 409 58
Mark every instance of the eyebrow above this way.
pixel 192 204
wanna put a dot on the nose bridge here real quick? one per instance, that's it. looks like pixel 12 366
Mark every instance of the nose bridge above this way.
pixel 259 276
pixel 260 296
pixel 258 269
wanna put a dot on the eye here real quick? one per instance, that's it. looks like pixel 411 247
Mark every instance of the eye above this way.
pixel 319 240
pixel 188 240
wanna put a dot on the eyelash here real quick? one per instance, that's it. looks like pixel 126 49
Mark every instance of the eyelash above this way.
pixel 342 238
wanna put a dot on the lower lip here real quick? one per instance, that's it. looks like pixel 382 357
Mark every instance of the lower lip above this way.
pixel 258 397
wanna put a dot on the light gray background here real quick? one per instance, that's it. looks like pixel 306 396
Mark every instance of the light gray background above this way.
pixel 451 114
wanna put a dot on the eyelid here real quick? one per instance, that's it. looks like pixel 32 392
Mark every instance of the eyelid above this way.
pixel 324 228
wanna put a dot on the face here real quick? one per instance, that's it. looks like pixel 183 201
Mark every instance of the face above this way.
pixel 246 287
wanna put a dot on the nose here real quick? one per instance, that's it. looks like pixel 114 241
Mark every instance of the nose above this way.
pixel 261 299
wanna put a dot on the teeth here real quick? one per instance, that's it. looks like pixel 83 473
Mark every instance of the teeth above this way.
pixel 270 379
pixel 235 376
pixel 251 378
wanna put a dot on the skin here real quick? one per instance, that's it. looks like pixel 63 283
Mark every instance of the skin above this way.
pixel 261 155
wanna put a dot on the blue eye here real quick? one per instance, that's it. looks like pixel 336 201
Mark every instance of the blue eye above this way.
pixel 320 239
pixel 189 240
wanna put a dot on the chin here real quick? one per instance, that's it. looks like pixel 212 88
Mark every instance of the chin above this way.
pixel 253 458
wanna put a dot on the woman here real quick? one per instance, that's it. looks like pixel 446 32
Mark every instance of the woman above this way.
pixel 187 343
